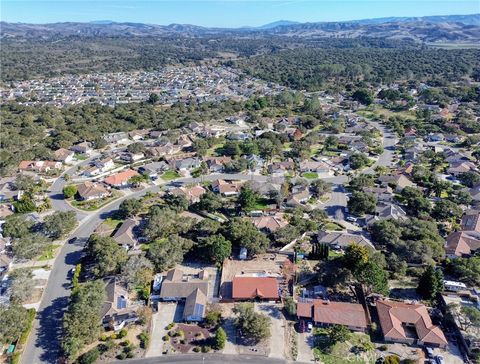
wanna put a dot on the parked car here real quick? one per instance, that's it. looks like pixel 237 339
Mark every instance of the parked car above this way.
pixel 309 327
pixel 351 219
pixel 439 359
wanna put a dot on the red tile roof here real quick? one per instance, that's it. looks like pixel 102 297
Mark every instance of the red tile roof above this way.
pixel 394 315
pixel 120 178
pixel 253 287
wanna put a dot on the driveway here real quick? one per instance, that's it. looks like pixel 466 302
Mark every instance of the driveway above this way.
pixel 305 347
pixel 277 328
pixel 168 312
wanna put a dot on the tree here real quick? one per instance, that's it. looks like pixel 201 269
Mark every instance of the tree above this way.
pixel 82 321
pixel 106 256
pixel 164 222
pixel 137 272
pixel 247 197
pixel 15 321
pixel 415 201
pixel 220 339
pixel 320 188
pixel 136 148
pixel 59 224
pixel 213 318
pixel 251 325
pixel 130 207
pixel 469 317
pixel 219 248
pixel 17 226
pixel 166 253
pixel 331 142
pixel 24 183
pixel 446 209
pixel 29 246
pixel 360 181
pixel 177 203
pixel 209 202
pixel 153 98
pixel 466 270
pixel 290 305
pixel 137 180
pixel 358 160
pixel 243 233
pixel 363 96
pixel 338 334
pixel 430 283
pixel 374 276
pixel 469 179
pixel 69 191
pixel 24 205
pixel 385 232
pixel 362 203
pixel 22 285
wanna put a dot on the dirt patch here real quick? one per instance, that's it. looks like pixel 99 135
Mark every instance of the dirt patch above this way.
pixel 188 337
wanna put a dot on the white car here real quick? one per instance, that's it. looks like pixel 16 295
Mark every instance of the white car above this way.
pixel 439 359
pixel 309 327
pixel 351 219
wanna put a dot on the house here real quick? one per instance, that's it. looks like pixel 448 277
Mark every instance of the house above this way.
pixel 125 234
pixel 226 188
pixel 6 209
pixel 121 179
pixel 8 189
pixel 153 169
pixel 255 162
pixel 383 194
pixel 264 188
pixel 435 137
pixel 279 168
pixel 160 151
pixel 63 155
pixel 459 167
pixel 471 222
pixel 298 198
pixel 185 164
pixel 461 244
pixel 184 141
pixel 192 194
pixel 217 164
pixel 131 157
pixel 314 166
pixel 340 240
pixel 117 310
pixel 91 190
pixel 400 181
pixel 195 306
pixel 39 166
pixel 327 313
pixel 176 286
pixel 105 164
pixel 408 323
pixel 385 211
pixel 119 138
pixel 270 223
pixel 137 135
pixel 255 288
pixel 82 148
pixel 475 192
pixel 453 286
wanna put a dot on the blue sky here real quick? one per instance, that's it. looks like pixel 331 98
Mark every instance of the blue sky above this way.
pixel 226 13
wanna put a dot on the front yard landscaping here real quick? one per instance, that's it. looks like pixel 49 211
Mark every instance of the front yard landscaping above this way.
pixel 185 338
pixel 358 349
pixel 310 175
pixel 170 175
pixel 96 204
pixel 49 253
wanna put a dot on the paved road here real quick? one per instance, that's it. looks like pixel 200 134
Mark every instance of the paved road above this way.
pixel 389 141
pixel 207 359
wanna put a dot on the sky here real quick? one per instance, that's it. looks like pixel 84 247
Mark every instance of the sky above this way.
pixel 226 13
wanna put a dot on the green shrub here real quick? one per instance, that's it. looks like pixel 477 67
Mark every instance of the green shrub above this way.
pixel 122 333
pixel 122 356
pixel 392 359
pixel 126 343
pixel 89 357
pixel 113 336
pixel 196 349
pixel 383 347
pixel 166 338
pixel 144 340
pixel 206 349
pixel 103 337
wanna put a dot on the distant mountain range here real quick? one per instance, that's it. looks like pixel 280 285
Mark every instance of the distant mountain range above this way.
pixel 451 28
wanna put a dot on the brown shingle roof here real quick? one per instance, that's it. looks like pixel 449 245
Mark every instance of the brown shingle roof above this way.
pixel 460 243
pixel 120 178
pixel 333 313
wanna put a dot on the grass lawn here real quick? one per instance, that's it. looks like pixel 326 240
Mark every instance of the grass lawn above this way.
pixel 97 203
pixel 333 226
pixel 170 175
pixel 261 204
pixel 80 157
pixel 334 254
pixel 342 353
pixel 112 223
pixel 49 253
pixel 310 175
